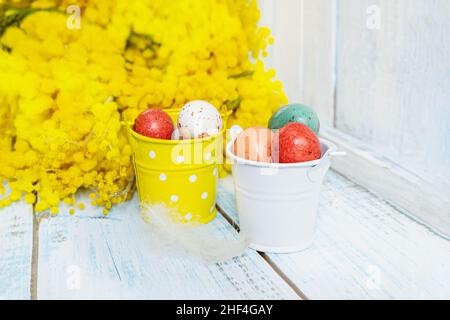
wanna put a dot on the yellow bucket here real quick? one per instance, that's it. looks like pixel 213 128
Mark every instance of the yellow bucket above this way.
pixel 181 174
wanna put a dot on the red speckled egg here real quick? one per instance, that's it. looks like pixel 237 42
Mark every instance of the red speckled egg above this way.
pixel 254 144
pixel 298 143
pixel 154 123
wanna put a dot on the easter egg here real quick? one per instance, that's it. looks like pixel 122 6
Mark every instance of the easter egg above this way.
pixel 176 134
pixel 297 143
pixel 295 113
pixel 198 119
pixel 181 134
pixel 154 123
pixel 254 144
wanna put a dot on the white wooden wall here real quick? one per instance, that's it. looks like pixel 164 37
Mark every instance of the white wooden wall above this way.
pixel 394 83
pixel 304 50
pixel 377 71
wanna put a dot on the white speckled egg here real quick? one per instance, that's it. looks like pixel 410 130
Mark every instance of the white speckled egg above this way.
pixel 198 119
pixel 176 134
pixel 181 134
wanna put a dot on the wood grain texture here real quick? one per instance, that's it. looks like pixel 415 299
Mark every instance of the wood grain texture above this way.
pixel 318 57
pixel 416 196
pixel 87 256
pixel 304 51
pixel 393 83
pixel 16 241
pixel 364 249
pixel 387 87
pixel 283 18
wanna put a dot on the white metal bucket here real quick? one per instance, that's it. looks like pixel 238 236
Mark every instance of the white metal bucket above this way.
pixel 277 203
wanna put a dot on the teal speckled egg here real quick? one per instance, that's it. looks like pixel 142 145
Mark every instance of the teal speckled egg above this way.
pixel 295 113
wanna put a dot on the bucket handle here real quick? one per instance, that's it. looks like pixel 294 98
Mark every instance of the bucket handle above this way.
pixel 317 172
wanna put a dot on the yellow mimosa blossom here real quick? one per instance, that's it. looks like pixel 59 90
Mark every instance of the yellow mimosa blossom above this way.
pixel 66 93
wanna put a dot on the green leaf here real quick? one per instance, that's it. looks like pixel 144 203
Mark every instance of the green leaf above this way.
pixel 134 37
pixel 247 73
pixel 11 16
pixel 233 104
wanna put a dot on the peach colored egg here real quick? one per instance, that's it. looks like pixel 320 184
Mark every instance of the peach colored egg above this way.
pixel 254 144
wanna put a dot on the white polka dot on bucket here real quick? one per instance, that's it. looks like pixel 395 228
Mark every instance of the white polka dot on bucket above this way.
pixel 188 216
pixel 180 159
pixel 204 195
pixel 162 177
pixel 215 171
pixel 174 198
pixel 193 178
pixel 152 154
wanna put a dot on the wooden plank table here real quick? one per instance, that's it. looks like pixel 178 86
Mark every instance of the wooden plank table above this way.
pixel 16 243
pixel 95 257
pixel 364 248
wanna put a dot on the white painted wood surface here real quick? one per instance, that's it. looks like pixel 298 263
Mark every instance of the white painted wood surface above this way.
pixel 393 84
pixel 87 256
pixel 16 238
pixel 282 17
pixel 364 249
pixel 407 190
pixel 378 71
pixel 318 53
pixel 304 51
pixel 393 93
